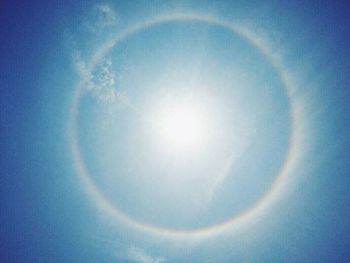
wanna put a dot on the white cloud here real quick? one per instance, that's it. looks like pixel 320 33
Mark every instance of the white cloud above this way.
pixel 139 255
pixel 103 16
pixel 101 82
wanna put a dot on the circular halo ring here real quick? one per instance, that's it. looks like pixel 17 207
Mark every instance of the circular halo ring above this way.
pixel 255 212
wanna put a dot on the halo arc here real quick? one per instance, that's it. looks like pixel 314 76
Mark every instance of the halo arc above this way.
pixel 237 222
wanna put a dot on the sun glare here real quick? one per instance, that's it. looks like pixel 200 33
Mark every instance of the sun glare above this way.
pixel 183 126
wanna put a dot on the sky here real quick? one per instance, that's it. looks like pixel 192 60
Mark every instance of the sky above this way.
pixel 175 131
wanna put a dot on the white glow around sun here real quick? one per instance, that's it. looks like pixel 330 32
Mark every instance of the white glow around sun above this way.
pixel 182 125
pixel 179 123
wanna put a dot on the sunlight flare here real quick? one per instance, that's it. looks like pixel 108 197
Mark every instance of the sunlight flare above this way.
pixel 182 126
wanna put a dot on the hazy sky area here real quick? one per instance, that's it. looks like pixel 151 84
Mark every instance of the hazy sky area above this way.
pixel 175 131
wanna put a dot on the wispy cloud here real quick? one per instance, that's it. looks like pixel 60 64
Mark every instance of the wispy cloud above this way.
pixel 101 82
pixel 139 255
pixel 101 17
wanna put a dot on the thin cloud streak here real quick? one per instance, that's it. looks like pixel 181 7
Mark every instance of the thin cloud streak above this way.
pixel 139 255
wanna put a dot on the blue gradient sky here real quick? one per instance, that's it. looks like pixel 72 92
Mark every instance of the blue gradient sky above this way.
pixel 48 215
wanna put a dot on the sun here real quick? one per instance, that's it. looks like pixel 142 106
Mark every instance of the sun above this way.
pixel 182 126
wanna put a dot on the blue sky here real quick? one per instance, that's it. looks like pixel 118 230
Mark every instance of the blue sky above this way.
pixel 92 171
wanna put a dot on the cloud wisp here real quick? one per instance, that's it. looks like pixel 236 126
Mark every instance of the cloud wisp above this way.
pixel 139 255
pixel 102 17
pixel 101 82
